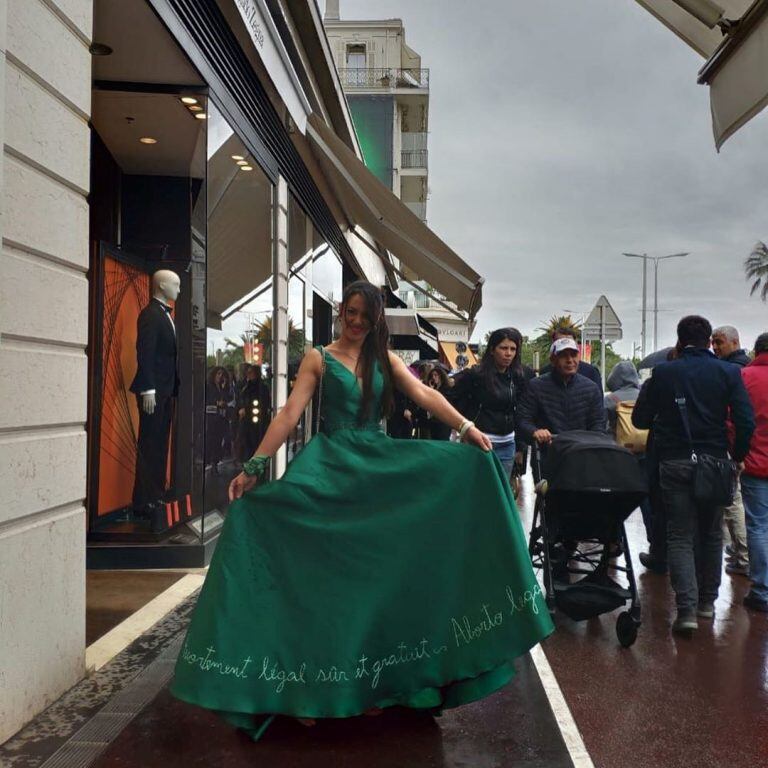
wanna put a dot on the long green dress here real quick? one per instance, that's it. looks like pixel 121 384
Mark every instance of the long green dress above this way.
pixel 375 572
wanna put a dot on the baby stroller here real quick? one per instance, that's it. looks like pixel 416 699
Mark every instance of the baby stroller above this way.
pixel 589 486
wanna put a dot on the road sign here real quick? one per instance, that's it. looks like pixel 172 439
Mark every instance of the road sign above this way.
pixel 603 322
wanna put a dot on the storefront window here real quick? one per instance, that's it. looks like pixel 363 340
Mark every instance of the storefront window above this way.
pixel 239 309
pixel 148 263
pixel 299 327
pixel 327 284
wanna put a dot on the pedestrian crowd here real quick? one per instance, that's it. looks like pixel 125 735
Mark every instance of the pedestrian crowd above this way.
pixel 698 426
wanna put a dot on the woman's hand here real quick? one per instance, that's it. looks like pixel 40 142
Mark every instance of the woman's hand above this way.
pixel 240 485
pixel 475 437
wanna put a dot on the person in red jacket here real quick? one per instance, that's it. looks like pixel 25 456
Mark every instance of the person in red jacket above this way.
pixel 754 478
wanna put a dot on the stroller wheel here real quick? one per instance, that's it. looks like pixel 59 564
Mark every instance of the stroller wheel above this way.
pixel 626 629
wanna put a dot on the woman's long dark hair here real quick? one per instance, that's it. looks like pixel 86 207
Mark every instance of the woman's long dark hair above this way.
pixel 375 347
pixel 487 364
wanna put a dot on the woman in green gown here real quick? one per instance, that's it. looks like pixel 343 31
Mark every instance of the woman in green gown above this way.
pixel 376 572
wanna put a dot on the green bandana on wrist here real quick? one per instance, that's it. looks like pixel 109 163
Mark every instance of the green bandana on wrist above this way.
pixel 256 466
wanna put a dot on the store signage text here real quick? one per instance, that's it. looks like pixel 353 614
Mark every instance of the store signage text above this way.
pixel 250 13
pixel 266 40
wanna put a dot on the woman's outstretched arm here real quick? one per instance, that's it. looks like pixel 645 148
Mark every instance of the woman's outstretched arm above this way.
pixel 431 400
pixel 285 422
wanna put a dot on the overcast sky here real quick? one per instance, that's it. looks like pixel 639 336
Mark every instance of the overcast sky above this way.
pixel 563 132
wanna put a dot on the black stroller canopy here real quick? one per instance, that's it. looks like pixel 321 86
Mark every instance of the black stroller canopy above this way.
pixel 592 461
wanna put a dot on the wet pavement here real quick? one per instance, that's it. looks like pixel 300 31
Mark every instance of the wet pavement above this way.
pixel 511 728
pixel 666 702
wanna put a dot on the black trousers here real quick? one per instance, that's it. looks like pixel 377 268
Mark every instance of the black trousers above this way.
pixel 152 452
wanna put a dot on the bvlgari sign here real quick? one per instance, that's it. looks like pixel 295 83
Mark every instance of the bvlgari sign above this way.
pixel 266 39
pixel 250 17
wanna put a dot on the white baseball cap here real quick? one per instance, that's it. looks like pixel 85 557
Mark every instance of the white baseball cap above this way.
pixel 566 342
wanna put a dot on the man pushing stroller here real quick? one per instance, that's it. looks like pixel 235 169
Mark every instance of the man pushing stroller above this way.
pixel 560 401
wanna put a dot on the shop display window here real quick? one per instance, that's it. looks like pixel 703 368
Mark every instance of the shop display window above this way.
pixel 239 310
pixel 184 373
pixel 149 169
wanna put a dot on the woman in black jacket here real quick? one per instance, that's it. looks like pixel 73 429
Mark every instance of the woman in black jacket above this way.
pixel 488 393
pixel 428 426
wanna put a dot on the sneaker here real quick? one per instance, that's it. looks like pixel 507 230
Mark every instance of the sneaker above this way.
pixel 737 569
pixel 685 623
pixel 706 611
pixel 755 603
pixel 652 564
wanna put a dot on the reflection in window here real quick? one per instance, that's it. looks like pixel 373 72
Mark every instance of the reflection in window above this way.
pixel 300 262
pixel 327 283
pixel 239 311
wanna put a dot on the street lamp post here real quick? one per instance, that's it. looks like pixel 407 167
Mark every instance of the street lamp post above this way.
pixel 644 315
pixel 656 260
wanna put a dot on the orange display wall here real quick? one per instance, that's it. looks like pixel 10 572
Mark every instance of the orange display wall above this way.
pixel 125 294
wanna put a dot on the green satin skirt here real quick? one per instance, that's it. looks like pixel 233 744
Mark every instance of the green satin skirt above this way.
pixel 376 572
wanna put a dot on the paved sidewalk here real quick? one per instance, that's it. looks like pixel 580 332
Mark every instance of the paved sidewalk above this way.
pixel 664 703
pixel 512 728
pixel 124 716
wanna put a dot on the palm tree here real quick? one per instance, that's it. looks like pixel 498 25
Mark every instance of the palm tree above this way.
pixel 756 268
pixel 296 339
pixel 560 321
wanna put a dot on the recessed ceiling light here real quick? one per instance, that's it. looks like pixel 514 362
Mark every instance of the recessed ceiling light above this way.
pixel 99 49
pixel 195 108
pixel 188 100
pixel 242 162
pixel 246 168
pixel 147 140
pixel 238 157
pixel 201 116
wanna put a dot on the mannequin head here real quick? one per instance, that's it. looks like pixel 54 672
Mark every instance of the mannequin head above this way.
pixel 166 285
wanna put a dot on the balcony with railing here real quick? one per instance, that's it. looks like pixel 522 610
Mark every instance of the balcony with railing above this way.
pixel 413 149
pixel 366 78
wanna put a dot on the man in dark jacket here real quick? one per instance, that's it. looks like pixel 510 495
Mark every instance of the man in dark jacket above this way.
pixel 712 389
pixel 727 346
pixel 562 400
pixel 585 369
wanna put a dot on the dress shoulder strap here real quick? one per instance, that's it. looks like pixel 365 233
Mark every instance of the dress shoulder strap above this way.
pixel 318 415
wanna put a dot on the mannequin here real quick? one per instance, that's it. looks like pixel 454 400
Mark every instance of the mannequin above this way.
pixel 156 386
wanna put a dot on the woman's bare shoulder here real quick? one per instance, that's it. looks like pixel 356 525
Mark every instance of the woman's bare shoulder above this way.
pixel 313 360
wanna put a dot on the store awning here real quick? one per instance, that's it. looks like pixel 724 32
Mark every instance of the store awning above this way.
pixel 737 64
pixel 737 75
pixel 688 28
pixel 371 206
pixel 407 322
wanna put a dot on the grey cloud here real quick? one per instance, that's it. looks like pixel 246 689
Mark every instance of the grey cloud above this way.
pixel 563 133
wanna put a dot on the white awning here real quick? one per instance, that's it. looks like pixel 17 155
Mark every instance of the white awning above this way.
pixel 688 28
pixel 738 76
pixel 737 64
pixel 371 206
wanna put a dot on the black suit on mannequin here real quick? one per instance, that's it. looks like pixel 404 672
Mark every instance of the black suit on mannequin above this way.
pixel 157 354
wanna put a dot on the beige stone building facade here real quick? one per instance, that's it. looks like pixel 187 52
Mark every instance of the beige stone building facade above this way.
pixel 210 138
